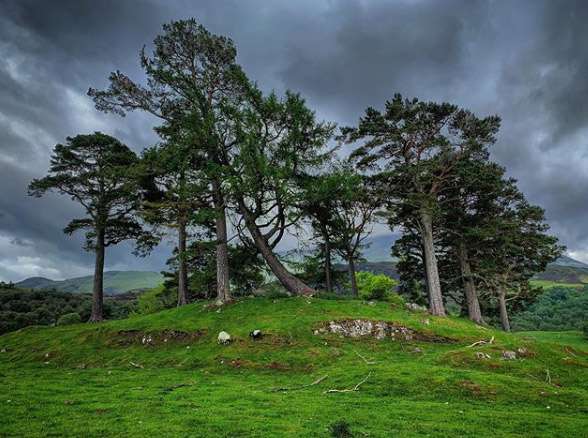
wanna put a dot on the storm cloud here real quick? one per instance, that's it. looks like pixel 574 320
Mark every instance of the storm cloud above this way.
pixel 525 61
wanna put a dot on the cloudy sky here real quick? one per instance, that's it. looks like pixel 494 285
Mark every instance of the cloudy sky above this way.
pixel 524 60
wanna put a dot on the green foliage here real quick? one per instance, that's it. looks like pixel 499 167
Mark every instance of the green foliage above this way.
pixel 558 308
pixel 156 299
pixel 378 287
pixel 21 308
pixel 340 429
pixel 95 170
pixel 69 319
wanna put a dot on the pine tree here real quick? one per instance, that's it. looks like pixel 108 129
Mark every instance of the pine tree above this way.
pixel 95 170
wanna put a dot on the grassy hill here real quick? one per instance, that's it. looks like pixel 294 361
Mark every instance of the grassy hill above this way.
pixel 115 282
pixel 166 374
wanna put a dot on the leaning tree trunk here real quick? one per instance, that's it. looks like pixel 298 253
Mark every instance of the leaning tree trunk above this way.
pixel 182 270
pixel 432 273
pixel 352 278
pixel 503 311
pixel 289 281
pixel 471 295
pixel 223 291
pixel 328 279
pixel 98 287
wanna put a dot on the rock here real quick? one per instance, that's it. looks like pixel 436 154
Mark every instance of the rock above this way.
pixel 355 328
pixel 413 307
pixel 417 350
pixel 255 334
pixel 371 303
pixel 482 356
pixel 224 338
pixel 509 355
pixel 522 351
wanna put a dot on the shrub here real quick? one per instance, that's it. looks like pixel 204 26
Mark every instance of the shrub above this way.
pixel 376 286
pixel 340 429
pixel 69 318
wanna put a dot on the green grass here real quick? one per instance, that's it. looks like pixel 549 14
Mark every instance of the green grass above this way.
pixel 80 380
pixel 548 284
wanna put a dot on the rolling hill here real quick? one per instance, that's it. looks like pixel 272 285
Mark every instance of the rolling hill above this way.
pixel 115 282
pixel 166 374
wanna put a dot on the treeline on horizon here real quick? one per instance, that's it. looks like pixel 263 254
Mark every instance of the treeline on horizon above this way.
pixel 234 160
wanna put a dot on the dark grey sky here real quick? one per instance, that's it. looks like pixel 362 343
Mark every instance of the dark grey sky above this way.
pixel 524 60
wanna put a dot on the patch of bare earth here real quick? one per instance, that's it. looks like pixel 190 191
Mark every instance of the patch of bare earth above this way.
pixel 153 338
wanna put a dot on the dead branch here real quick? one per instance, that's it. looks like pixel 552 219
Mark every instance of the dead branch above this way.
pixel 365 360
pixel 294 388
pixel 482 342
pixel 355 388
pixel 136 365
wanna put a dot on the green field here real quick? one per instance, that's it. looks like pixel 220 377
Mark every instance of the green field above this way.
pixel 548 284
pixel 101 380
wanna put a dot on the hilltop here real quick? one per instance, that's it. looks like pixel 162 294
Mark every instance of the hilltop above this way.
pixel 115 282
pixel 166 374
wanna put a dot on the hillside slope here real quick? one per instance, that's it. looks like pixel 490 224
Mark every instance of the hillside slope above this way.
pixel 166 374
pixel 115 282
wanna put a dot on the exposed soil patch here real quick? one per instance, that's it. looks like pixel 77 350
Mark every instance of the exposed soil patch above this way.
pixel 358 328
pixel 139 337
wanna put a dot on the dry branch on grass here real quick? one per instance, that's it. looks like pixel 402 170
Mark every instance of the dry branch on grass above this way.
pixel 136 365
pixel 482 342
pixel 355 388
pixel 294 388
pixel 369 362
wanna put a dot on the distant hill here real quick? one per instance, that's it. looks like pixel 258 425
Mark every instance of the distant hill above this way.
pixel 115 282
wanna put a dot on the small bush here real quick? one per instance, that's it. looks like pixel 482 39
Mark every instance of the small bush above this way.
pixel 69 318
pixel 273 290
pixel 377 287
pixel 340 429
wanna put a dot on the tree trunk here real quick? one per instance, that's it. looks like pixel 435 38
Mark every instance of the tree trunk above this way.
pixel 503 312
pixel 352 279
pixel 98 287
pixel 223 290
pixel 432 274
pixel 182 270
pixel 289 281
pixel 471 295
pixel 328 280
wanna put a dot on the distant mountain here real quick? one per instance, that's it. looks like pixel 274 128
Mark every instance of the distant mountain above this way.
pixel 378 250
pixel 115 282
pixel 568 261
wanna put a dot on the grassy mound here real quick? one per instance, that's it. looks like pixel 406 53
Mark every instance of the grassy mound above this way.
pixel 166 374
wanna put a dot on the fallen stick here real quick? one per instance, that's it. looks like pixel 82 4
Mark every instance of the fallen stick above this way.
pixel 294 388
pixel 365 360
pixel 355 388
pixel 482 342
pixel 136 365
